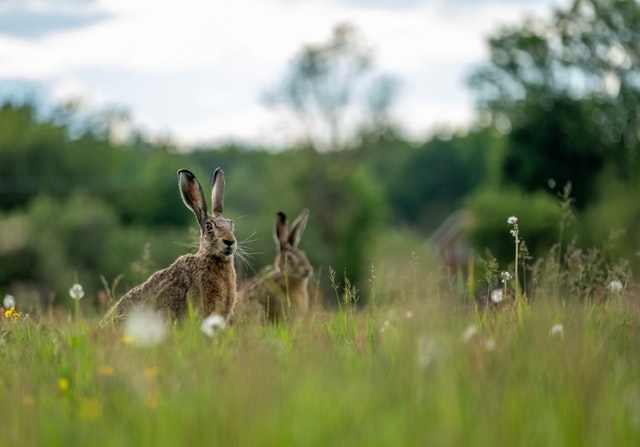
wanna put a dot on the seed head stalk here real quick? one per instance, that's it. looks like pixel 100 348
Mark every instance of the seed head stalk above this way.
pixel 76 292
pixel 515 232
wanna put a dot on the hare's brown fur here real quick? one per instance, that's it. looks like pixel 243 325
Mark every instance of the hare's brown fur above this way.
pixel 208 276
pixel 283 290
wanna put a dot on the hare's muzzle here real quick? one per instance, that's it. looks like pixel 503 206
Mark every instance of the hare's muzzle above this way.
pixel 228 246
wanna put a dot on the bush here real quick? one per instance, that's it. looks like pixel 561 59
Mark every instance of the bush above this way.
pixel 55 242
pixel 538 216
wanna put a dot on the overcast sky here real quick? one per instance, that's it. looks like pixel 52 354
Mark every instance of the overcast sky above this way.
pixel 197 70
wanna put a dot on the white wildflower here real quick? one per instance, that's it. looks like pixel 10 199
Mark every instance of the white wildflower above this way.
pixel 557 330
pixel 145 327
pixel 427 351
pixel 505 276
pixel 614 286
pixel 408 315
pixel 513 221
pixel 469 333
pixel 213 324
pixel 76 292
pixel 490 344
pixel 496 296
pixel 8 302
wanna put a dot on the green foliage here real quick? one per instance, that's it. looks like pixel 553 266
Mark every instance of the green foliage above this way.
pixel 564 91
pixel 432 179
pixel 97 204
pixel 145 189
pixel 614 218
pixel 538 216
pixel 54 241
pixel 30 161
pixel 350 204
pixel 554 148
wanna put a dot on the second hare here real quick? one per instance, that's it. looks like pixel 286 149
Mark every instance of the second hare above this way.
pixel 282 291
pixel 208 276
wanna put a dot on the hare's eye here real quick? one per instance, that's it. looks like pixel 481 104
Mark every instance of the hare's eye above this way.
pixel 208 226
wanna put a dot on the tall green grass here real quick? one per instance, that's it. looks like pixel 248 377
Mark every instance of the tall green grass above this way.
pixel 419 365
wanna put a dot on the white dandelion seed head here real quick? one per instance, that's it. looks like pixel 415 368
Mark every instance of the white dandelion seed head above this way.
pixel 8 302
pixel 496 296
pixel 213 324
pixel 557 330
pixel 505 276
pixel 512 220
pixel 469 333
pixel 614 286
pixel 145 327
pixel 76 291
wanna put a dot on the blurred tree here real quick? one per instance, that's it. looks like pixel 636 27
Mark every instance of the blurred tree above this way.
pixel 433 179
pixel 331 91
pixel 30 155
pixel 111 124
pixel 346 210
pixel 54 241
pixel 549 150
pixel 565 91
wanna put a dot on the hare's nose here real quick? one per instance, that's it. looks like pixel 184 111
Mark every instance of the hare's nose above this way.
pixel 228 242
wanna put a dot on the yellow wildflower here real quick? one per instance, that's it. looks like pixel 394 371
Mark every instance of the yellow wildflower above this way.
pixel 63 384
pixel 127 340
pixel 11 313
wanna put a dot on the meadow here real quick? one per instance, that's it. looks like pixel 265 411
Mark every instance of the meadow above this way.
pixel 419 364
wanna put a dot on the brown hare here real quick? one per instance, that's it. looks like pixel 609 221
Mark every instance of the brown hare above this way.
pixel 208 275
pixel 282 291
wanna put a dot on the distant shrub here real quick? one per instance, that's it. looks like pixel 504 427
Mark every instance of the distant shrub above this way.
pixel 55 241
pixel 538 215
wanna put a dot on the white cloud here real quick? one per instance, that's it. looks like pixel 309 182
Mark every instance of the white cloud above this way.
pixel 72 88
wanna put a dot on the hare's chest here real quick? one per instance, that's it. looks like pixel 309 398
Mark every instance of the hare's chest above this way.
pixel 216 287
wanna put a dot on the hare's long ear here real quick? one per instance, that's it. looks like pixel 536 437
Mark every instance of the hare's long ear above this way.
pixel 297 228
pixel 280 230
pixel 217 192
pixel 192 195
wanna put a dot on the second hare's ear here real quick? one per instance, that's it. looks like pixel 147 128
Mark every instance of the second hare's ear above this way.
pixel 280 231
pixel 217 192
pixel 192 195
pixel 297 228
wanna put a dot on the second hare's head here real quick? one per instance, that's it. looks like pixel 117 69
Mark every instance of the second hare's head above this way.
pixel 289 257
pixel 216 232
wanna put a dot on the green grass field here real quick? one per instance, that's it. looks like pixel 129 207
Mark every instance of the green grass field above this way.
pixel 416 373
pixel 418 365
